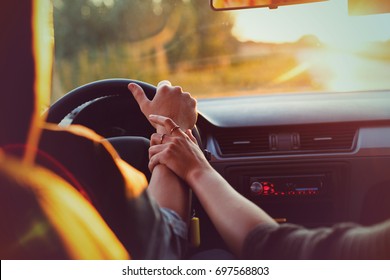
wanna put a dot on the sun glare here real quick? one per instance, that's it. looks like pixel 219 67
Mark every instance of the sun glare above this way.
pixel 329 21
pixel 354 55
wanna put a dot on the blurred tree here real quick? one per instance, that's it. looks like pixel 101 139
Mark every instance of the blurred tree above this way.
pixel 78 24
pixel 203 34
pixel 142 39
pixel 140 19
pixel 93 24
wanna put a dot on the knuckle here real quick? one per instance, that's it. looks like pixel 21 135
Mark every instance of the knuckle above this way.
pixel 171 147
pixel 176 141
pixel 193 101
pixel 164 88
pixel 178 89
pixel 153 138
pixel 168 122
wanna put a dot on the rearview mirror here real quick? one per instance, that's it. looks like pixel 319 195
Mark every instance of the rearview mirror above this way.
pixel 245 4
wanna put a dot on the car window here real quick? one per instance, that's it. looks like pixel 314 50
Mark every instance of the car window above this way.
pixel 302 48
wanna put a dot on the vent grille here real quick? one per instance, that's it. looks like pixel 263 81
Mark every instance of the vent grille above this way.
pixel 255 141
pixel 327 138
pixel 242 141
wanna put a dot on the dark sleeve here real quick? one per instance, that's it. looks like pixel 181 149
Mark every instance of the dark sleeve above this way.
pixel 342 241
pixel 138 222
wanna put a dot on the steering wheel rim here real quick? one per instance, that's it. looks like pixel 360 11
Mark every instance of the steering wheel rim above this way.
pixel 91 91
pixel 101 89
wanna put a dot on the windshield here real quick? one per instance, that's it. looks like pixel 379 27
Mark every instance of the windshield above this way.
pixel 302 48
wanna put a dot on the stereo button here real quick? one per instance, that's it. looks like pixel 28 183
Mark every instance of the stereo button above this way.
pixel 256 188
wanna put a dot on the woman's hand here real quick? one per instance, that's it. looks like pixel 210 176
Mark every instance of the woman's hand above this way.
pixel 232 214
pixel 169 101
pixel 176 149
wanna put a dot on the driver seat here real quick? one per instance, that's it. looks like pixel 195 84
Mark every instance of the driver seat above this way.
pixel 42 214
pixel 43 217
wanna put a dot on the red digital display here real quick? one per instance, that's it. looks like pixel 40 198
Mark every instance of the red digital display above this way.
pixel 311 185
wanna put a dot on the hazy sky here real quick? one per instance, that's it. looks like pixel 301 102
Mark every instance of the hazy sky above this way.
pixel 329 21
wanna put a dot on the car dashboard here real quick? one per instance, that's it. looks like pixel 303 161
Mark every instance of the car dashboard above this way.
pixel 314 159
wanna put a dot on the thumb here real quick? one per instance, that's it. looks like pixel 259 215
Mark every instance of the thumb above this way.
pixel 139 95
pixel 191 136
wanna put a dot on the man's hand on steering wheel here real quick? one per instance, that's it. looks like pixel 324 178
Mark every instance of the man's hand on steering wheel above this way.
pixel 169 101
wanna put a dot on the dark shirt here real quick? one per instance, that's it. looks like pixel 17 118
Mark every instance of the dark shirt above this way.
pixel 137 221
pixel 342 241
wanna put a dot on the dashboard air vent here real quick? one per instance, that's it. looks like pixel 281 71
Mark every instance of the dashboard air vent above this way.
pixel 327 137
pixel 233 141
pixel 286 140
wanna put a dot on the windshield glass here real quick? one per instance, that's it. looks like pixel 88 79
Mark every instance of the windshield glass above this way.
pixel 301 48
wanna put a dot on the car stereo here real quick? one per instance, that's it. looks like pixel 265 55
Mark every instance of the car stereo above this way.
pixel 290 186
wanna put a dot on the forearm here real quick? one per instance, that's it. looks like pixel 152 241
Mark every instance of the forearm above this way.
pixel 169 191
pixel 233 215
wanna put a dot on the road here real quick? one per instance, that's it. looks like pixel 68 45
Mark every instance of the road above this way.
pixel 343 71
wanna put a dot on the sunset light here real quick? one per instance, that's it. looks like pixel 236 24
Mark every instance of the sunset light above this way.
pixel 329 21
pixel 351 51
pixel 313 47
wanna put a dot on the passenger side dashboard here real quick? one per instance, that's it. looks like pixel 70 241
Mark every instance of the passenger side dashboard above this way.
pixel 312 159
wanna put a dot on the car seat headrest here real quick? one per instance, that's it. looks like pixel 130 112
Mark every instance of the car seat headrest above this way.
pixel 26 56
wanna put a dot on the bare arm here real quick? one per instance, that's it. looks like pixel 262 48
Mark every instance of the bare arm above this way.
pixel 165 187
pixel 170 192
pixel 233 215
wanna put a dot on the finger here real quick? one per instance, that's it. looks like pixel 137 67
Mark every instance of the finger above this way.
pixel 153 150
pixel 164 83
pixel 158 139
pixel 151 164
pixel 154 161
pixel 139 95
pixel 167 123
pixel 191 136
pixel 173 129
pixel 155 139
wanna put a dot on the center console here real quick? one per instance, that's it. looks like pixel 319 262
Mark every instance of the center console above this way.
pixel 308 194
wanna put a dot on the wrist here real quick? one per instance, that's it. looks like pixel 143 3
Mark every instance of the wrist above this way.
pixel 162 169
pixel 195 175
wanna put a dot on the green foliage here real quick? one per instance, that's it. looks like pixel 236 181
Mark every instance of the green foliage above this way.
pixel 202 33
pixel 150 40
pixel 140 39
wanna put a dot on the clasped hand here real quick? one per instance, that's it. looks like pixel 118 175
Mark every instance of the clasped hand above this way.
pixel 178 151
pixel 169 101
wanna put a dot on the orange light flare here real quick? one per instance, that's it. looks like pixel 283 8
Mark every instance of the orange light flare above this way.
pixel 354 51
pixel 82 231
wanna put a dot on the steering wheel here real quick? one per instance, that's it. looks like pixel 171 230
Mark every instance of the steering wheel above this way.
pixel 108 108
pixel 105 106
